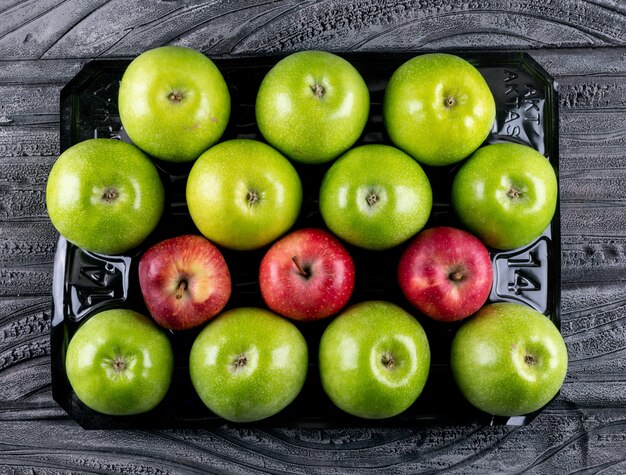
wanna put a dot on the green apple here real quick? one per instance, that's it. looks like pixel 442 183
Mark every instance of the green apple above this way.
pixel 104 196
pixel 248 364
pixel 506 194
pixel 374 360
pixel 312 106
pixel 173 103
pixel 438 108
pixel 508 359
pixel 243 194
pixel 375 197
pixel 119 363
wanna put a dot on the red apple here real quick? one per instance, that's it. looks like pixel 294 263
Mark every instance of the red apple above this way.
pixel 446 273
pixel 307 275
pixel 184 281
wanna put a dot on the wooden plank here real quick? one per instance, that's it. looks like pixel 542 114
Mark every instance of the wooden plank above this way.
pixel 208 27
pixel 25 172
pixel 32 99
pixel 25 281
pixel 556 442
pixel 21 204
pixel 582 63
pixel 29 141
pixel 594 187
pixel 593 220
pixel 32 27
pixel 29 105
pixel 587 259
pixel 431 24
pixel 570 66
pixel 27 244
pixel 591 93
pixel 57 72
pixel 73 28
pixel 25 388
pixel 599 134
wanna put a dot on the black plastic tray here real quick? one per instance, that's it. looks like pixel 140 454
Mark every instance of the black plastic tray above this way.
pixel 85 283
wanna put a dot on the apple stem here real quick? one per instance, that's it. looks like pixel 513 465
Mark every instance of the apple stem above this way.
pixel 456 276
pixel 182 286
pixel 302 271
pixel 318 90
pixel 119 364
pixel 175 96
pixel 449 102
pixel 110 194
pixel 387 360
pixel 240 361
pixel 252 197
pixel 372 198
pixel 514 193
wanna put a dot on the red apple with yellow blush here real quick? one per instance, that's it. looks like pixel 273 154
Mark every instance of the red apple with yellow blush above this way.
pixel 446 273
pixel 185 281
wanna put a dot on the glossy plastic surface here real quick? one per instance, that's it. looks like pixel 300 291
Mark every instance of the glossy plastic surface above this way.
pixel 85 283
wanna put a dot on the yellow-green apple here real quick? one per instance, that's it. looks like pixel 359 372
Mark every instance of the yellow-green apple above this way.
pixel 312 106
pixel 506 194
pixel 446 273
pixel 374 360
pixel 104 196
pixel 307 275
pixel 173 103
pixel 508 359
pixel 438 108
pixel 119 363
pixel 184 281
pixel 375 197
pixel 242 194
pixel 248 364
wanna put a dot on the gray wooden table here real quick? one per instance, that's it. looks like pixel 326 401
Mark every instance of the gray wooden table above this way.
pixel 44 43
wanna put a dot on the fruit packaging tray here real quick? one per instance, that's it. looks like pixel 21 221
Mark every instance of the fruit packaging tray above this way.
pixel 85 283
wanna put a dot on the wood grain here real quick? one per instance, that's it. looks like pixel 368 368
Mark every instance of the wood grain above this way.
pixel 44 43
pixel 569 438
